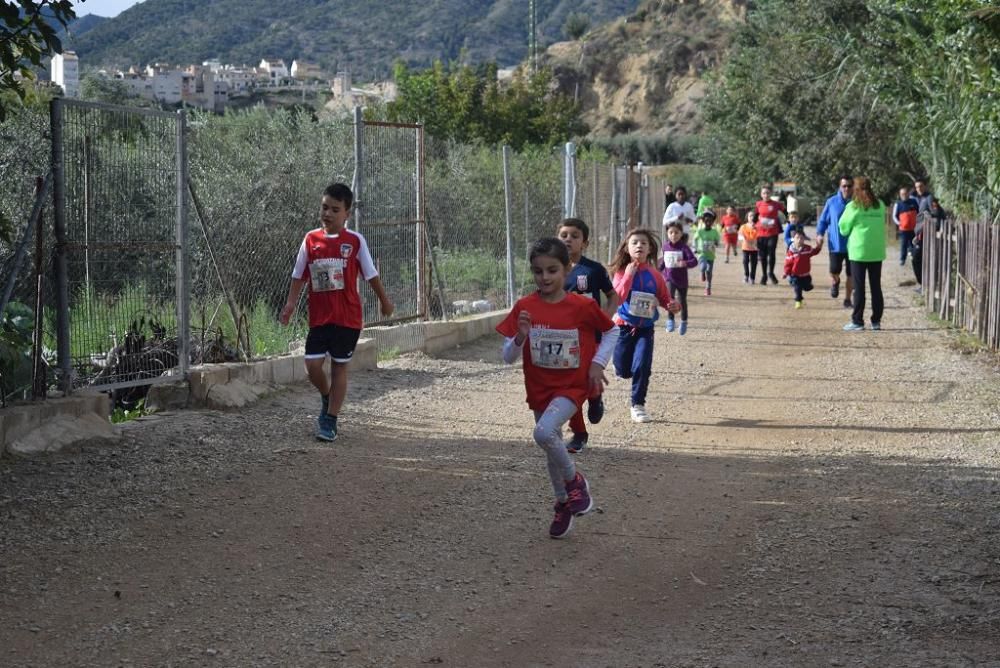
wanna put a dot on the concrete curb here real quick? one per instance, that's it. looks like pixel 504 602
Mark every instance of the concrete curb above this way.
pixel 219 386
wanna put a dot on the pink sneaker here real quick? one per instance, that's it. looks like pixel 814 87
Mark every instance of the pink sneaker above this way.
pixel 708 292
pixel 578 491
pixel 562 523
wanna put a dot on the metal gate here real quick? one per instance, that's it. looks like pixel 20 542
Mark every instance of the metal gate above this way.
pixel 120 210
pixel 389 191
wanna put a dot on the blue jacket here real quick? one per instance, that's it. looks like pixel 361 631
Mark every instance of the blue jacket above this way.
pixel 832 211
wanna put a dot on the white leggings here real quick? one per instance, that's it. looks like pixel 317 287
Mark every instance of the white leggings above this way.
pixel 548 435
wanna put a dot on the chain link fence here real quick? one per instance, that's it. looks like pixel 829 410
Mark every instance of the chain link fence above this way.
pixel 163 222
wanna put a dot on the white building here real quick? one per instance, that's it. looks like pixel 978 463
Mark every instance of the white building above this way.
pixel 304 71
pixel 238 78
pixel 276 70
pixel 66 73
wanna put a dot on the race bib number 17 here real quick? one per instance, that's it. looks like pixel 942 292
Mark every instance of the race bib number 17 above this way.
pixel 555 348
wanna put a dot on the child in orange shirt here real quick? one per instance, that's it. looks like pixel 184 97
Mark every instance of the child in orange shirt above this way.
pixel 748 239
pixel 563 365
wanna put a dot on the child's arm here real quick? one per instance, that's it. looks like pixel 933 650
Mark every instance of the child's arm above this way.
pixel 789 261
pixel 818 248
pixel 596 377
pixel 663 294
pixel 294 290
pixel 512 347
pixel 689 259
pixel 622 282
pixel 610 303
pixel 385 304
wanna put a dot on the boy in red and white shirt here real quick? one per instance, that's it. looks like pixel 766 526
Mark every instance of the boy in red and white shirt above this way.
pixel 330 260
pixel 798 264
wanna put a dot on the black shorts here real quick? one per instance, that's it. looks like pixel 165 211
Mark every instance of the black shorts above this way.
pixel 333 340
pixel 839 261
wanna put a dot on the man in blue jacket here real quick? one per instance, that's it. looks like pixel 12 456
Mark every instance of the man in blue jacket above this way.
pixel 837 243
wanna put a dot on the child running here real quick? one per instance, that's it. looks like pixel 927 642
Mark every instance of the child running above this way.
pixel 748 239
pixel 563 365
pixel 798 264
pixel 730 232
pixel 706 240
pixel 790 227
pixel 677 259
pixel 590 279
pixel 329 260
pixel 640 288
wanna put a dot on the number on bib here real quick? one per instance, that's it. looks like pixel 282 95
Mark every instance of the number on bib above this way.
pixel 555 348
pixel 326 274
pixel 673 259
pixel 642 304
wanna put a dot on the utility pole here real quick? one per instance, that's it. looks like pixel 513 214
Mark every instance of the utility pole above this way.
pixel 532 36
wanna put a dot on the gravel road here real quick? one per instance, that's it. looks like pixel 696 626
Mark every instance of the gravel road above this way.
pixel 804 497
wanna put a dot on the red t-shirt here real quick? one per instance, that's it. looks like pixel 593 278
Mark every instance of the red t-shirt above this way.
pixel 730 225
pixel 560 348
pixel 331 265
pixel 768 225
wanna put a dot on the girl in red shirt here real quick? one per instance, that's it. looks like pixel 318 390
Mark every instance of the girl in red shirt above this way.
pixel 768 231
pixel 563 365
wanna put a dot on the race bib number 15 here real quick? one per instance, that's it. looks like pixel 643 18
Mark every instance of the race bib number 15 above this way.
pixel 642 304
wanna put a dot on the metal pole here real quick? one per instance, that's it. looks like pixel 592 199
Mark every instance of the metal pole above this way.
pixel 612 220
pixel 88 202
pixel 59 230
pixel 593 208
pixel 358 185
pixel 421 230
pixel 569 181
pixel 41 189
pixel 183 268
pixel 38 380
pixel 510 233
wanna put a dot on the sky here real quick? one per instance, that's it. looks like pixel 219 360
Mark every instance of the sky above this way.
pixel 105 8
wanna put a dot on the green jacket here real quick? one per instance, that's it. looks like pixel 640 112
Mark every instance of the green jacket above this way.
pixel 865 232
pixel 705 242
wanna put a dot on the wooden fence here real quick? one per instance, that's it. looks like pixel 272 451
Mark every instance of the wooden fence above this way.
pixel 961 277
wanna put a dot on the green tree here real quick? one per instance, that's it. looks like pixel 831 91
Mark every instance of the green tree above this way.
pixel 576 26
pixel 26 36
pixel 102 89
pixel 468 104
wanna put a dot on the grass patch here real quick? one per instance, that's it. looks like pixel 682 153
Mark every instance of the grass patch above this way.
pixel 389 354
pixel 121 414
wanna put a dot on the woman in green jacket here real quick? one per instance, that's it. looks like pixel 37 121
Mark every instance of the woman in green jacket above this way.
pixel 863 223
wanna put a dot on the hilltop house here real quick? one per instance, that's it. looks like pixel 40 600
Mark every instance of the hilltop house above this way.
pixel 275 69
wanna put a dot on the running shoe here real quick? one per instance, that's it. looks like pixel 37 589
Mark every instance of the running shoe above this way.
pixel 578 491
pixel 834 290
pixel 763 281
pixel 876 326
pixel 853 327
pixel 774 279
pixel 326 427
pixel 708 292
pixel 562 522
pixel 639 414
pixel 595 410
pixel 670 325
pixel 684 327
pixel 746 280
pixel 577 443
pixel 798 304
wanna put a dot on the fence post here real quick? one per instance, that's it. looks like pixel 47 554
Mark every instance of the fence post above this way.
pixel 183 267
pixel 569 181
pixel 38 382
pixel 358 184
pixel 593 208
pixel 422 282
pixel 510 231
pixel 59 231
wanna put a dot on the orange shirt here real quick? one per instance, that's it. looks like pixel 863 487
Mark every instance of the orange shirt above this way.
pixel 560 348
pixel 748 234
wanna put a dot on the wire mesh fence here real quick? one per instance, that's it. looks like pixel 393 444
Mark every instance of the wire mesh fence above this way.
pixel 257 180
pixel 116 180
pixel 232 196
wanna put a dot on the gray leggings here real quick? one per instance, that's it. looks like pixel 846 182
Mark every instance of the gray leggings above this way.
pixel 549 436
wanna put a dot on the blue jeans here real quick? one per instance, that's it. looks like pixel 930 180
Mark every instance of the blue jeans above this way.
pixel 706 266
pixel 905 243
pixel 634 359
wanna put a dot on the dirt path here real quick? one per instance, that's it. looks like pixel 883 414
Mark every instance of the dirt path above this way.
pixel 806 497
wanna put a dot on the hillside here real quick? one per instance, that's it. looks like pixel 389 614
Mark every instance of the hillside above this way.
pixel 645 73
pixel 365 36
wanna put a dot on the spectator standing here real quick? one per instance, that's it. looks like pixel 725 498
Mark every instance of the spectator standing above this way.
pixel 680 211
pixel 904 215
pixel 863 222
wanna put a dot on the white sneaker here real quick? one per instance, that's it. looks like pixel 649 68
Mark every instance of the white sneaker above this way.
pixel 639 414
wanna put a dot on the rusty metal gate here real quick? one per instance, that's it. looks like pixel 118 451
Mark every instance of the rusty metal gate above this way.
pixel 120 211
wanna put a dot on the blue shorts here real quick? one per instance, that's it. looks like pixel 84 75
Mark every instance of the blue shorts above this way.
pixel 333 340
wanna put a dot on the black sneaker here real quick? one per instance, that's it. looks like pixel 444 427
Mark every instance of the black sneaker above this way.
pixel 834 290
pixel 774 279
pixel 577 444
pixel 595 410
